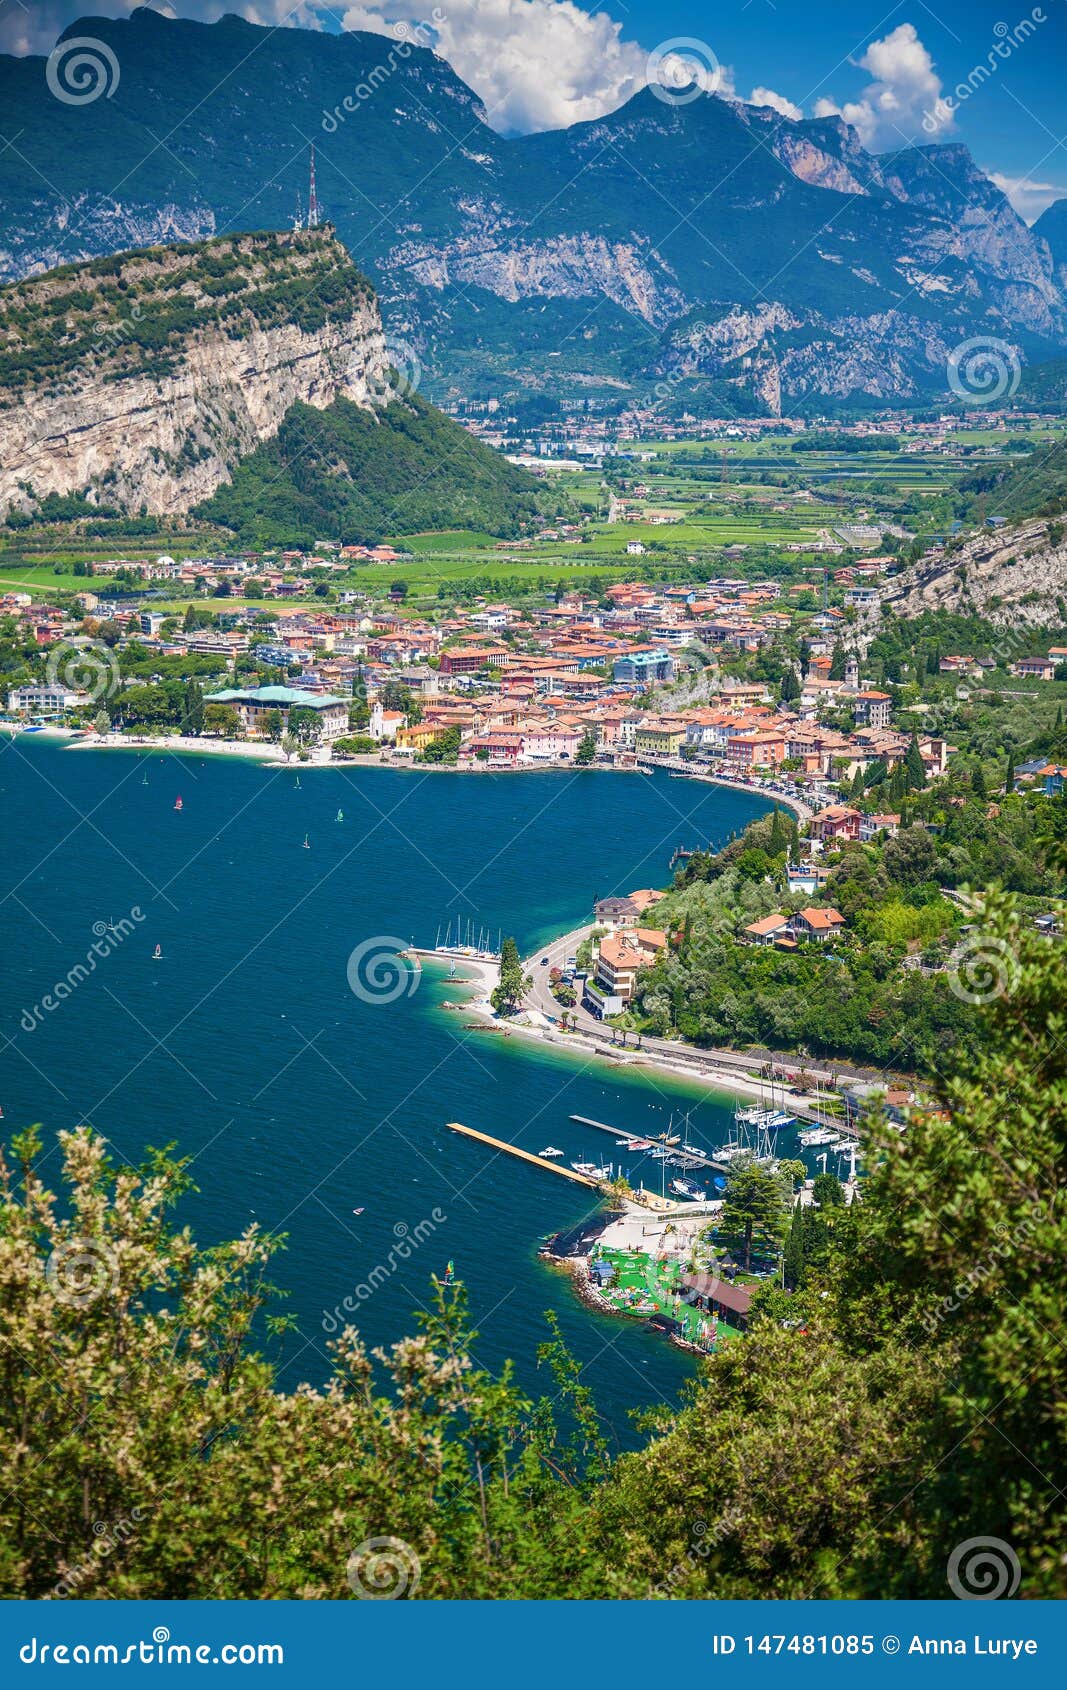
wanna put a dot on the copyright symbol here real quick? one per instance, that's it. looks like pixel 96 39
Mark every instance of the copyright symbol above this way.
pixel 890 1644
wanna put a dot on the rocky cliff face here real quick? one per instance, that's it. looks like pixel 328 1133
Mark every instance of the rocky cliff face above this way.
pixel 153 374
pixel 1014 577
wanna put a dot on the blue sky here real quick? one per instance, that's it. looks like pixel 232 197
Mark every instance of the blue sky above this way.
pixel 988 73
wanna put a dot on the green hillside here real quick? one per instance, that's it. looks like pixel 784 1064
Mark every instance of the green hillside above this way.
pixel 1035 487
pixel 360 475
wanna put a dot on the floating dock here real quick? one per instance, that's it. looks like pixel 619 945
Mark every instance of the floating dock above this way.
pixel 523 1155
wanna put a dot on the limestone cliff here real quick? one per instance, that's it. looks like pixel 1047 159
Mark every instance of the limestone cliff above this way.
pixel 1015 577
pixel 138 382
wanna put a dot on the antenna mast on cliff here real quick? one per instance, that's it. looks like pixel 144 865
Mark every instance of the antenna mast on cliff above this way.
pixel 313 199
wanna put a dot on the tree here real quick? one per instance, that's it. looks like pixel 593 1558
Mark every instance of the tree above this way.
pixel 274 726
pixel 778 839
pixel 793 1266
pixel 289 744
pixel 101 721
pixel 586 752
pixel 507 997
pixel 193 715
pixel 914 770
pixel 443 749
pixel 790 688
pixel 752 1214
pixel 305 725
pixel 222 720
pixel 1009 774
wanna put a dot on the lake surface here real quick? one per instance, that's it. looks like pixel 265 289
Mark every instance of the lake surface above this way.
pixel 300 1098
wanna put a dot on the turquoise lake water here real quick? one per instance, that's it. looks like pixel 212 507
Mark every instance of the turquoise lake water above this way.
pixel 300 1099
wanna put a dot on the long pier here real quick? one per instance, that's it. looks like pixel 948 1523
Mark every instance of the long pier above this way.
pixel 523 1155
pixel 684 1158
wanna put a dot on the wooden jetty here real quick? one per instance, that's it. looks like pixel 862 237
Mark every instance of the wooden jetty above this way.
pixel 523 1155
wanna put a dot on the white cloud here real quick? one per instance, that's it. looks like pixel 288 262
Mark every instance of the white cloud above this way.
pixel 904 102
pixel 1029 198
pixel 537 64
pixel 768 97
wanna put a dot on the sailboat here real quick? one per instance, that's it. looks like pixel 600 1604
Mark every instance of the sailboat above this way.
pixel 297 782
pixel 550 1151
pixel 157 954
pixel 340 815
pixel 178 802
pixel 144 780
pixel 307 843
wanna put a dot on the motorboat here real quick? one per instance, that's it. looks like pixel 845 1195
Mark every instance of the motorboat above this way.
pixel 550 1151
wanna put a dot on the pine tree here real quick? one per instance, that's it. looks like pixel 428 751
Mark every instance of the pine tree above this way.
pixel 508 995
pixel 978 782
pixel 1009 774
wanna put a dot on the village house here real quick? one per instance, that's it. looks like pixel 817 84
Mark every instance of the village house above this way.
pixel 837 821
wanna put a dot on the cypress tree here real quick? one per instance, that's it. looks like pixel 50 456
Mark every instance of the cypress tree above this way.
pixel 915 774
pixel 794 1249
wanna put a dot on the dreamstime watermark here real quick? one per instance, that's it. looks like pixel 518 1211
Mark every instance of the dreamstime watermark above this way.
pixel 80 70
pixel 983 968
pixel 409 36
pixel 975 1280
pixel 1007 41
pixel 667 386
pixel 407 1240
pixel 983 370
pixel 681 70
pixel 702 1540
pixel 80 1270
pixel 405 363
pixel 983 1569
pixel 101 948
pixel 383 1569
pixel 379 972
pixel 85 666
pixel 108 1535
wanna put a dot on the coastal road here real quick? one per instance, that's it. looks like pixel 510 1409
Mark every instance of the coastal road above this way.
pixel 710 1062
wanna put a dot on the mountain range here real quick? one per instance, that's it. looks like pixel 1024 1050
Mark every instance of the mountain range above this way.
pixel 666 249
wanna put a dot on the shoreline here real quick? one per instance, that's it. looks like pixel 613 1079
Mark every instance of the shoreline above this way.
pixel 722 1080
pixel 800 809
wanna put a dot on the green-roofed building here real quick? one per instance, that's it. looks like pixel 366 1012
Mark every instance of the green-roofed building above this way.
pixel 254 704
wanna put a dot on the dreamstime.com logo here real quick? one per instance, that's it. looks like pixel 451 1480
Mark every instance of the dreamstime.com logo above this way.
pixel 109 936
pixel 379 971
pixel 158 1650
pixel 1004 45
pixel 682 69
pixel 983 370
pixel 80 70
pixel 983 1569
pixel 85 666
pixel 383 1569
pixel 407 1239
pixel 409 36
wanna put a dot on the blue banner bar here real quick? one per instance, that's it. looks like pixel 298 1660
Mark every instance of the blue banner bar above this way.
pixel 597 1646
